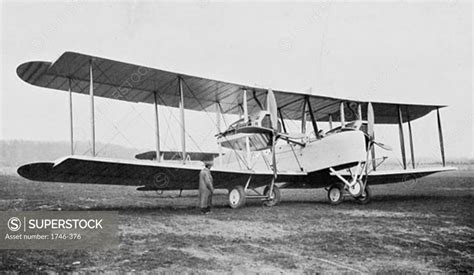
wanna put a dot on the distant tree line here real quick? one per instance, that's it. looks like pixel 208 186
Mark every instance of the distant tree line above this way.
pixel 16 152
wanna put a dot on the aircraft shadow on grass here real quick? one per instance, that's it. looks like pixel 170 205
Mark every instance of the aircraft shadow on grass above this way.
pixel 191 208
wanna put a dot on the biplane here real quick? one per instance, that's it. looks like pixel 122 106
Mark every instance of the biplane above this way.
pixel 342 160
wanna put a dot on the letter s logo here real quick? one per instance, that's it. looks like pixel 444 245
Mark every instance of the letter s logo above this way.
pixel 14 224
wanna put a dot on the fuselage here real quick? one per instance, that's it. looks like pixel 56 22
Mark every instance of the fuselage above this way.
pixel 338 147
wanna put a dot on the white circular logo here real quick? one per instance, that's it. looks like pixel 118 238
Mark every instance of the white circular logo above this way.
pixel 14 224
pixel 161 180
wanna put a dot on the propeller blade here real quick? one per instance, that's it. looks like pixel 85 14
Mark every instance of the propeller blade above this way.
pixel 371 131
pixel 370 121
pixel 383 146
pixel 272 109
pixel 292 135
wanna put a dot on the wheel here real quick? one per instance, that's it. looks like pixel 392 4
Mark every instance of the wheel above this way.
pixel 335 194
pixel 365 196
pixel 356 189
pixel 237 197
pixel 276 196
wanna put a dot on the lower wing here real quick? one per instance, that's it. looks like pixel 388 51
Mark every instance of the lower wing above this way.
pixel 149 174
pixel 325 178
pixel 385 177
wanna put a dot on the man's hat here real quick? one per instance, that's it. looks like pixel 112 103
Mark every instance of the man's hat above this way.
pixel 208 160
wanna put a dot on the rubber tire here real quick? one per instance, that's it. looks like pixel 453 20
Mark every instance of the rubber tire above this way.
pixel 341 195
pixel 241 202
pixel 365 199
pixel 276 196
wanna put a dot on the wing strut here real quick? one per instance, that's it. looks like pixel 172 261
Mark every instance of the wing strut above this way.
pixel 371 131
pixel 91 96
pixel 440 133
pixel 303 118
pixel 282 121
pixel 246 119
pixel 218 122
pixel 183 127
pixel 157 127
pixel 402 139
pixel 313 119
pixel 257 101
pixel 412 148
pixel 70 116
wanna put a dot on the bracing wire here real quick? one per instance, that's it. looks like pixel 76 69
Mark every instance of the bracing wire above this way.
pixel 117 133
pixel 139 114
pixel 186 132
pixel 131 106
pixel 292 121
pixel 292 149
pixel 116 128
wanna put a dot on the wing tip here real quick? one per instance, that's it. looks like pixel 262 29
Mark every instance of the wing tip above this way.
pixel 31 70
pixel 39 171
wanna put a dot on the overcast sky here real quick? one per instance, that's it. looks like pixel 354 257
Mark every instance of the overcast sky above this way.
pixel 398 51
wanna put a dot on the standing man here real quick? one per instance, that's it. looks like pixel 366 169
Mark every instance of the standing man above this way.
pixel 206 187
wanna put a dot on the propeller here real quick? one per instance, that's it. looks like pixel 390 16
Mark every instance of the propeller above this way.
pixel 370 128
pixel 370 131
pixel 273 109
pixel 370 121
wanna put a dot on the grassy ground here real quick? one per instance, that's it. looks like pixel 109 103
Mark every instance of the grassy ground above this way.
pixel 416 227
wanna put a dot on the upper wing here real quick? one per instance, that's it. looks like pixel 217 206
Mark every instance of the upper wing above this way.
pixel 123 81
pixel 158 175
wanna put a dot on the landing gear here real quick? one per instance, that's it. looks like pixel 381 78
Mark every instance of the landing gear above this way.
pixel 237 197
pixel 362 194
pixel 365 196
pixel 335 194
pixel 355 183
pixel 275 197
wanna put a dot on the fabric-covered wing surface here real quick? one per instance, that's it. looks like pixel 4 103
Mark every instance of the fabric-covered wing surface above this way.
pixel 128 82
pixel 385 177
pixel 389 176
pixel 324 178
pixel 165 176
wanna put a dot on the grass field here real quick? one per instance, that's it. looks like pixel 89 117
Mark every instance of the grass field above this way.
pixel 419 227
